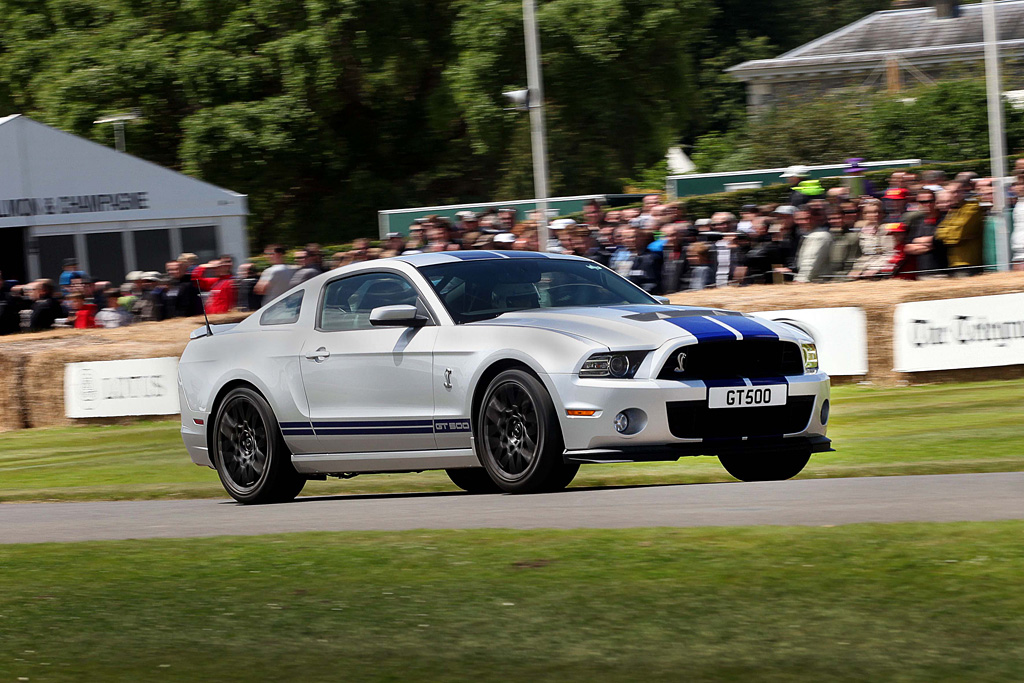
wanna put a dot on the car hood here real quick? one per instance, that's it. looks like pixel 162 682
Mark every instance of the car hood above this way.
pixel 648 326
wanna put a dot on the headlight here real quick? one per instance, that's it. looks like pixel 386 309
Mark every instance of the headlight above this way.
pixel 621 365
pixel 810 354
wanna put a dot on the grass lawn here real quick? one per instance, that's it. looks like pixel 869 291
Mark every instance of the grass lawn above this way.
pixel 901 602
pixel 909 430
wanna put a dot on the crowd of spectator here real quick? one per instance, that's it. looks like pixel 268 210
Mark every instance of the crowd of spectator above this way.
pixel 917 227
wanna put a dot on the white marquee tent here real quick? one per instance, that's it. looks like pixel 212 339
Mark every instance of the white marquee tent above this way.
pixel 64 196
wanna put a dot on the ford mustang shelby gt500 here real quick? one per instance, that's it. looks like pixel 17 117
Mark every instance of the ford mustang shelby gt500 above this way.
pixel 506 369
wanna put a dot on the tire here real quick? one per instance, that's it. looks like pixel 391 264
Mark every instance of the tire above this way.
pixel 473 480
pixel 768 467
pixel 249 452
pixel 517 436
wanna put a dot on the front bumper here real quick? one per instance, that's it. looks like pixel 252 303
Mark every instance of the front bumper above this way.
pixel 595 439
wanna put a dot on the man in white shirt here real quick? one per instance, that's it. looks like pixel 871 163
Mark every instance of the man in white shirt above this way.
pixel 275 280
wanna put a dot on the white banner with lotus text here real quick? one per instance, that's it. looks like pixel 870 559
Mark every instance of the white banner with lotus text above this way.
pixel 114 388
pixel 951 334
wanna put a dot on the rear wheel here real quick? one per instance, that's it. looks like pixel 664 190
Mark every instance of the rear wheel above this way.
pixel 249 452
pixel 768 467
pixel 517 436
pixel 473 480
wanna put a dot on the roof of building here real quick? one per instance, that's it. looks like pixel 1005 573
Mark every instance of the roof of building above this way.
pixel 916 35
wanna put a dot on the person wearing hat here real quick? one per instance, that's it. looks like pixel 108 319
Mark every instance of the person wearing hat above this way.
pixel 854 179
pixel 395 241
pixel 69 272
pixel 805 191
pixel 561 235
pixel 794 175
pixel 504 241
pixel 748 212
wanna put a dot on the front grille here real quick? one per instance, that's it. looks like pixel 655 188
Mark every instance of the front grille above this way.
pixel 694 420
pixel 751 358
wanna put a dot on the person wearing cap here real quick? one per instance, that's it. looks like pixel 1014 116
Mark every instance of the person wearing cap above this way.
pixel 794 175
pixel 859 186
pixel 312 265
pixel 748 212
pixel 504 241
pixel 895 200
pixel 70 270
pixel 224 290
pixel 560 235
pixel 805 191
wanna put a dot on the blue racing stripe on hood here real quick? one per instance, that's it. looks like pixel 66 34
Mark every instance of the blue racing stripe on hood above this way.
pixel 703 329
pixel 748 327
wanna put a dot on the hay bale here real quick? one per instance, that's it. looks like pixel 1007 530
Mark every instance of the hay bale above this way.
pixel 12 414
pixel 32 365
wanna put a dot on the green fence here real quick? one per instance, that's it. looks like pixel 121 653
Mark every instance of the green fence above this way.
pixel 399 220
pixel 711 183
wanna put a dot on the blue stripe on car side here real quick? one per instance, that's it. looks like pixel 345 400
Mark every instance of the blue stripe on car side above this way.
pixel 703 329
pixel 377 423
pixel 748 327
pixel 356 431
pixel 288 425
pixel 297 432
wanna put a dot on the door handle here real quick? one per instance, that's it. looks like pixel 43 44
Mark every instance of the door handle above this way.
pixel 319 355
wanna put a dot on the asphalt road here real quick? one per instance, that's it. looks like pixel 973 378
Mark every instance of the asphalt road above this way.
pixel 814 502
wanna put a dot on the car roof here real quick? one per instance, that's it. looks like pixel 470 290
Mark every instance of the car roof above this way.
pixel 437 257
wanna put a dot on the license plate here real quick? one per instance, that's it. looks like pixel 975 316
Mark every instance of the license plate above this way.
pixel 748 397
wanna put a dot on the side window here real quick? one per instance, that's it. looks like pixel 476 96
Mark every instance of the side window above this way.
pixel 284 312
pixel 347 303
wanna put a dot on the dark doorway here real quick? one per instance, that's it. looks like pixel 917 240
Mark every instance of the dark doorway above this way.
pixel 12 254
pixel 53 249
pixel 152 249
pixel 106 256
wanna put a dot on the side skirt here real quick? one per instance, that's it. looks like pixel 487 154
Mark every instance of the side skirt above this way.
pixel 385 461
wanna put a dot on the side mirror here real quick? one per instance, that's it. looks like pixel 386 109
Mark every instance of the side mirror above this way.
pixel 662 300
pixel 396 316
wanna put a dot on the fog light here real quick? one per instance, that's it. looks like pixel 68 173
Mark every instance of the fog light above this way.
pixel 824 412
pixel 621 422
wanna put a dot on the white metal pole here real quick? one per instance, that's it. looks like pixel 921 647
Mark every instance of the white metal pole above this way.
pixel 996 134
pixel 535 101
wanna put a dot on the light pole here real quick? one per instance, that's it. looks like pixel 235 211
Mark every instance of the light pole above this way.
pixel 535 101
pixel 996 134
pixel 118 120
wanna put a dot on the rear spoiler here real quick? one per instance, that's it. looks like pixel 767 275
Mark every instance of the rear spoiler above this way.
pixel 206 331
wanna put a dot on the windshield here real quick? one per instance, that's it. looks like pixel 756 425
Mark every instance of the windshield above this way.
pixel 482 289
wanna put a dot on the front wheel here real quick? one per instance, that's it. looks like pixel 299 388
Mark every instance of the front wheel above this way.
pixel 249 452
pixel 517 435
pixel 765 467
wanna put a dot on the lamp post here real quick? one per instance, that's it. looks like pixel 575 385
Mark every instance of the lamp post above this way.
pixel 535 101
pixel 118 120
pixel 996 134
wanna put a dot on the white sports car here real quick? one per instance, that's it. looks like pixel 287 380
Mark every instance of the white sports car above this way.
pixel 506 369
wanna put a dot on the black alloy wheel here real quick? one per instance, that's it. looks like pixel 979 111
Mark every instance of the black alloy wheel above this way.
pixel 765 467
pixel 249 452
pixel 518 438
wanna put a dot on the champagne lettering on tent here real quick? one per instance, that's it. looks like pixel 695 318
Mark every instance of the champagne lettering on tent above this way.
pixel 147 386
pixel 949 334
